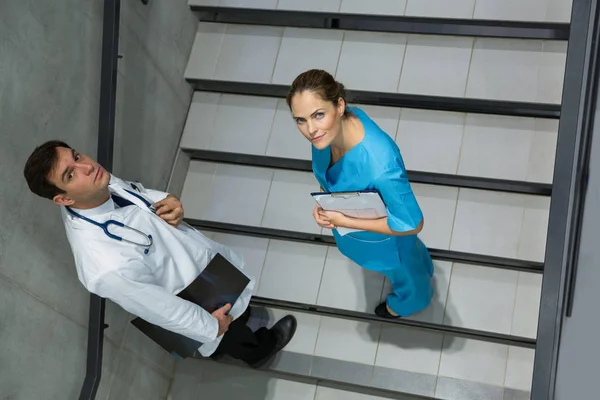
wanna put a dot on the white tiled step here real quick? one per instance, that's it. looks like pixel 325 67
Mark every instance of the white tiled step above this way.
pixel 198 380
pixel 527 10
pixel 474 221
pixel 398 359
pixel 474 145
pixel 409 350
pixel 500 69
pixel 466 296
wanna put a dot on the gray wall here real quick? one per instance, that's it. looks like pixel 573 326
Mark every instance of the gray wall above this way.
pixel 49 88
pixel 577 376
pixel 153 97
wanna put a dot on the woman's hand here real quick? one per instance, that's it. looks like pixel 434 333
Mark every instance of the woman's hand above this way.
pixel 333 218
pixel 320 221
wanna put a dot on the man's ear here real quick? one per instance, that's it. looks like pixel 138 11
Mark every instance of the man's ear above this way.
pixel 63 200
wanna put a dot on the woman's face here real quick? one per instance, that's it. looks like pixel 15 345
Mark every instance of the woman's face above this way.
pixel 318 120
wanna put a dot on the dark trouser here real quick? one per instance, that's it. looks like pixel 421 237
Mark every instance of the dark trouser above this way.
pixel 241 343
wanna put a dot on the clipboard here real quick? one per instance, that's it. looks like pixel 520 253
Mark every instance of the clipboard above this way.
pixel 363 204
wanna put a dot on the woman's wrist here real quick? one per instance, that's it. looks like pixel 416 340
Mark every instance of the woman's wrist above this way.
pixel 349 223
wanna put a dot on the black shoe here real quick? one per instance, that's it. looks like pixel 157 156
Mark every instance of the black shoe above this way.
pixel 284 331
pixel 382 311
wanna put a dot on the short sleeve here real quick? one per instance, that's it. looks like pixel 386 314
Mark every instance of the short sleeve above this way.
pixel 404 213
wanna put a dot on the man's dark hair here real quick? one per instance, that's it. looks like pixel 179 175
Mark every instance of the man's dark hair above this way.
pixel 39 165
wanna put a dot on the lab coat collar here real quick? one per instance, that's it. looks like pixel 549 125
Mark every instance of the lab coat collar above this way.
pixel 118 186
pixel 105 208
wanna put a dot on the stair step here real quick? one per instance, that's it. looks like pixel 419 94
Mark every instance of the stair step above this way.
pixel 328 240
pixel 250 175
pixel 476 75
pixel 469 301
pixel 432 178
pixel 491 337
pixel 385 99
pixel 388 363
pixel 230 380
pixel 464 220
pixel 385 23
pixel 437 147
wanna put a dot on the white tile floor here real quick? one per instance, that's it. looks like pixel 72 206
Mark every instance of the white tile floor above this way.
pixel 358 52
pixel 310 5
pixel 526 10
pixel 200 380
pixel 505 302
pixel 384 7
pixel 338 336
pixel 256 45
pixel 409 350
pixel 503 69
pixel 292 271
pixel 496 146
pixel 303 49
pixel 430 140
pixel 443 142
pixel 289 192
pixel 436 65
pixel 475 221
pixel 495 291
pixel 347 286
pixel 473 360
pixel 534 10
pixel 251 113
pixel 440 8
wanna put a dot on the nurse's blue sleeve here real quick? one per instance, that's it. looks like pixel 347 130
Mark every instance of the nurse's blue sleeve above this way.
pixel 404 213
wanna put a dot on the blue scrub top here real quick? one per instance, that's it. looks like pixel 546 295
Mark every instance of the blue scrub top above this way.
pixel 376 164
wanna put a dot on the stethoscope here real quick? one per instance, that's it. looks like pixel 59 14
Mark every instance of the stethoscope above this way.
pixel 104 226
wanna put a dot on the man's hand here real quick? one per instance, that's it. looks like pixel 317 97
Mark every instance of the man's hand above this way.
pixel 223 319
pixel 170 210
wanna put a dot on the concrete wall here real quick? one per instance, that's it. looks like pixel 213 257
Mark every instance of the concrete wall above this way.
pixel 49 88
pixel 153 98
pixel 579 351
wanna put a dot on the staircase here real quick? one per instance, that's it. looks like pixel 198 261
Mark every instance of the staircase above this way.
pixel 476 120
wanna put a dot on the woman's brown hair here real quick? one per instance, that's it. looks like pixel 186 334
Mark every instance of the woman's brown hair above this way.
pixel 321 83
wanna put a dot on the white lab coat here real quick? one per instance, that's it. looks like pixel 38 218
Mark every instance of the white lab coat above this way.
pixel 146 285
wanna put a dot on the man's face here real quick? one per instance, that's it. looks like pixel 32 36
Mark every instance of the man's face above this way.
pixel 83 179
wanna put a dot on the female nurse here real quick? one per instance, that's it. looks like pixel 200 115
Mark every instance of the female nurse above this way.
pixel 351 153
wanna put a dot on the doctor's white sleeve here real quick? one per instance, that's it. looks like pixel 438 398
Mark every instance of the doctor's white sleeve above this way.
pixel 156 195
pixel 156 305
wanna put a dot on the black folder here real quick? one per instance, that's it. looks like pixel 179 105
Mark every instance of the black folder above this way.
pixel 220 283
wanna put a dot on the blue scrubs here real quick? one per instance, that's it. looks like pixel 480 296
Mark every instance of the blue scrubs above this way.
pixel 376 163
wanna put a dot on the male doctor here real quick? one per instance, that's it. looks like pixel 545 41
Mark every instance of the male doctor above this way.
pixel 157 258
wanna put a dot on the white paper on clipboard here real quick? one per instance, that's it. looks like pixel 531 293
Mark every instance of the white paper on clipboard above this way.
pixel 361 205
